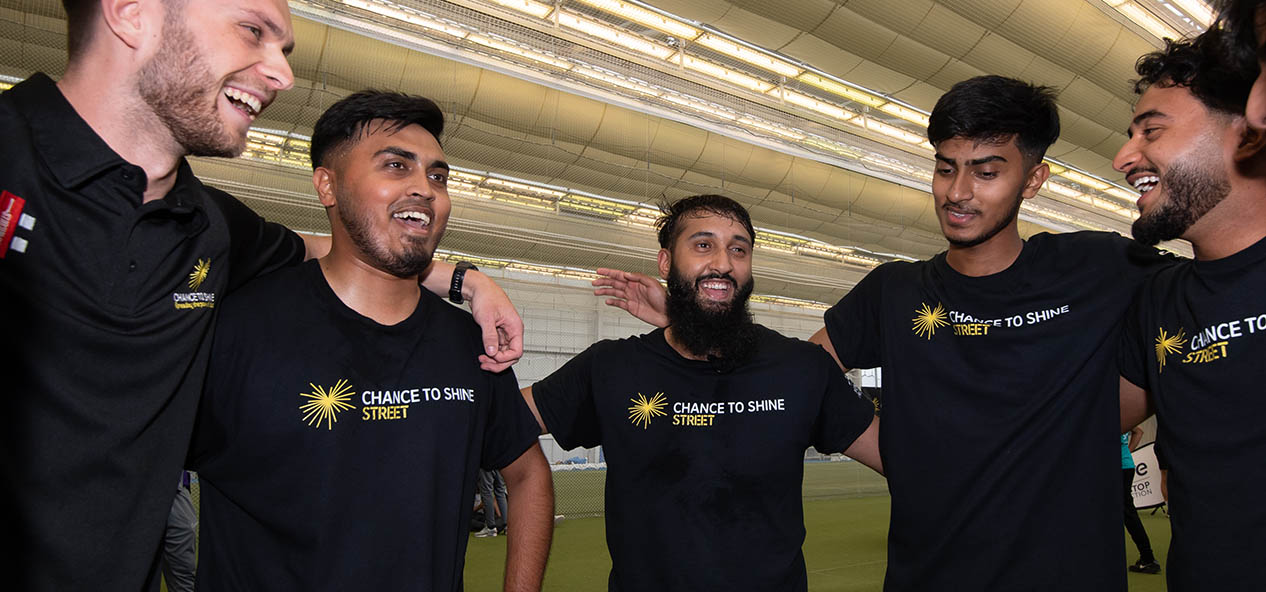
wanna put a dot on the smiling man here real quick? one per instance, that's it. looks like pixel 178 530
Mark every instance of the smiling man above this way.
pixel 346 415
pixel 113 259
pixel 704 424
pixel 1000 394
pixel 1196 336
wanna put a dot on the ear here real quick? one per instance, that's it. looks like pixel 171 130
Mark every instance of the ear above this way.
pixel 665 262
pixel 1037 177
pixel 323 182
pixel 1251 141
pixel 133 22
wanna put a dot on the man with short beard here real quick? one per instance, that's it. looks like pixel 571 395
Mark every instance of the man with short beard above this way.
pixel 704 424
pixel 345 415
pixel 1195 339
pixel 113 257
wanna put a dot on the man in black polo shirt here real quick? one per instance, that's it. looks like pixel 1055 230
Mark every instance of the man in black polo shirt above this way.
pixel 1000 400
pixel 704 424
pixel 1195 338
pixel 345 415
pixel 112 259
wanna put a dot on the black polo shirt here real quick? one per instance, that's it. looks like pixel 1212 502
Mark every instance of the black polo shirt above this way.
pixel 107 314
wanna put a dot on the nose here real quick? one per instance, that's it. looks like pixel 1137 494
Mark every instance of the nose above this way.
pixel 1128 156
pixel 277 70
pixel 720 262
pixel 960 188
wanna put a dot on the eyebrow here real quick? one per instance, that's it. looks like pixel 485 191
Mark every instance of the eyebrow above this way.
pixel 410 155
pixel 275 29
pixel 1138 119
pixel 974 161
pixel 709 234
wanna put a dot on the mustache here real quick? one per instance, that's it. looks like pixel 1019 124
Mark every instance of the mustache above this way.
pixel 715 276
pixel 1141 170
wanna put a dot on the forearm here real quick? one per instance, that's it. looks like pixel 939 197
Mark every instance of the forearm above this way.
pixel 531 522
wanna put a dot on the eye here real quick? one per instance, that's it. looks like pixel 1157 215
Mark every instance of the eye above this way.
pixel 254 31
pixel 1148 132
pixel 987 174
pixel 944 171
pixel 395 165
pixel 441 178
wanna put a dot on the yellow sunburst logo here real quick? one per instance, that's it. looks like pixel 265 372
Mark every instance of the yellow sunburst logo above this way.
pixel 644 409
pixel 927 320
pixel 1169 344
pixel 324 405
pixel 199 273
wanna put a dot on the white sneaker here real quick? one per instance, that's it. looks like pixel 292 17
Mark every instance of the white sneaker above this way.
pixel 486 532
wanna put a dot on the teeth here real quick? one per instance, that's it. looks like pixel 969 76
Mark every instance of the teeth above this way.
pixel 1145 184
pixel 410 215
pixel 246 99
pixel 716 285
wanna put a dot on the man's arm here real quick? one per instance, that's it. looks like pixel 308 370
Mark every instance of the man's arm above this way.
pixel 637 293
pixel 530 525
pixel 531 403
pixel 821 338
pixel 865 449
pixel 498 320
pixel 1135 405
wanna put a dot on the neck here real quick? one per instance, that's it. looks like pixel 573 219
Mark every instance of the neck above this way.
pixel 1235 224
pixel 989 257
pixel 678 347
pixel 113 110
pixel 371 292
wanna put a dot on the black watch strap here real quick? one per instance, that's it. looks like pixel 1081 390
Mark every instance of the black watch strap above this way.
pixel 459 276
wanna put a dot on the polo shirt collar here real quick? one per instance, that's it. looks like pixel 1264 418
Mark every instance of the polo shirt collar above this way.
pixel 73 152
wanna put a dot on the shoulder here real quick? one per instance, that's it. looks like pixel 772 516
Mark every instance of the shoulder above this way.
pixel 276 290
pixel 788 349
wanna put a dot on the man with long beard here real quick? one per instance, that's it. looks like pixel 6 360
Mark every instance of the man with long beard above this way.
pixel 113 257
pixel 345 415
pixel 1195 339
pixel 704 424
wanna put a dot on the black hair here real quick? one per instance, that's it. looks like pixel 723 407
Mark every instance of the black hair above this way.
pixel 347 119
pixel 997 109
pixel 669 223
pixel 1238 21
pixel 1221 82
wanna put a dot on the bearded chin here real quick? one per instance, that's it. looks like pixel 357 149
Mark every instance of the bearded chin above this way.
pixel 725 334
pixel 1191 191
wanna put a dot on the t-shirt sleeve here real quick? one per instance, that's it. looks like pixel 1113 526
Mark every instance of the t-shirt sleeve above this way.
pixel 1142 260
pixel 565 400
pixel 1134 352
pixel 853 324
pixel 256 246
pixel 845 412
pixel 511 427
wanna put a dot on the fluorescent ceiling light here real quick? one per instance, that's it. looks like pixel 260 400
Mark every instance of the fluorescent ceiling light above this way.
pixel 843 90
pixel 765 127
pixel 1141 17
pixel 535 56
pixel 699 106
pixel 726 74
pixel 891 131
pixel 646 17
pixel 906 113
pixel 813 104
pixel 746 54
pixel 408 17
pixel 615 81
pixel 1197 10
pixel 613 35
pixel 535 9
pixel 1085 179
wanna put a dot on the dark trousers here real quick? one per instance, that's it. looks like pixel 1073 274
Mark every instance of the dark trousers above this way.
pixel 492 488
pixel 178 544
pixel 1132 522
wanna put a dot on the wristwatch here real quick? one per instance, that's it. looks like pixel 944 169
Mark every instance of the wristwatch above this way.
pixel 459 275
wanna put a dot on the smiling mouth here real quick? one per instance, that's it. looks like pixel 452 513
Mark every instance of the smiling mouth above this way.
pixel 956 215
pixel 716 289
pixel 414 219
pixel 1145 183
pixel 245 102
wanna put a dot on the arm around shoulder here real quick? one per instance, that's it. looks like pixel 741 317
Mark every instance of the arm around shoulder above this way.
pixel 1135 405
pixel 865 449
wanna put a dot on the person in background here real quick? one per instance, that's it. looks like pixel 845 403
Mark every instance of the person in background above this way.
pixel 1147 560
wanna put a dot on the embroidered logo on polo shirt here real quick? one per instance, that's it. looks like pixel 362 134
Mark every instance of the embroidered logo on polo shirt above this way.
pixel 643 409
pixel 323 405
pixel 927 319
pixel 1167 345
pixel 196 299
pixel 12 218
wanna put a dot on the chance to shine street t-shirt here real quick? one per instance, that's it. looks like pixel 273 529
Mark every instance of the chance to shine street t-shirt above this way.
pixel 705 466
pixel 1000 413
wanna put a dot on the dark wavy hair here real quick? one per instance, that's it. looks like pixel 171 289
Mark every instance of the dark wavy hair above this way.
pixel 1238 21
pixel 996 109
pixel 347 119
pixel 1220 80
pixel 669 224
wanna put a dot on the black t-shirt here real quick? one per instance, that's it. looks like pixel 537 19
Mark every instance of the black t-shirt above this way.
pixel 108 306
pixel 1196 340
pixel 1000 434
pixel 703 488
pixel 336 453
